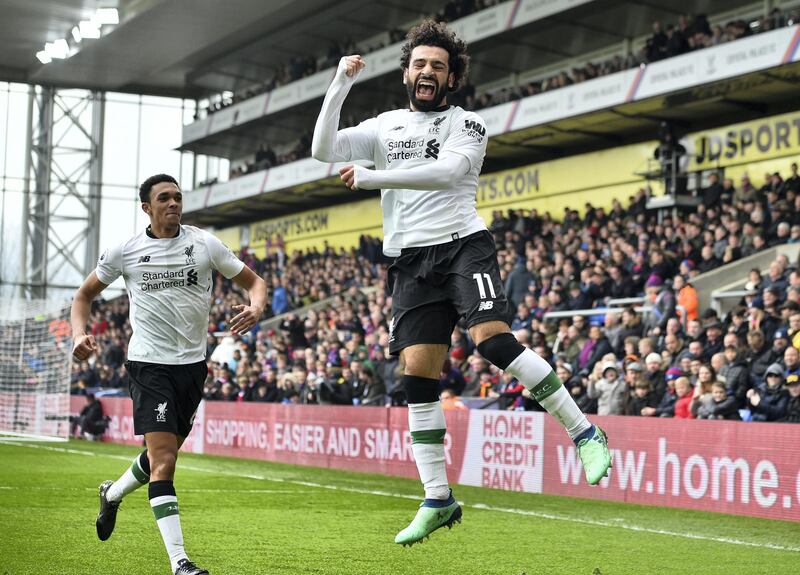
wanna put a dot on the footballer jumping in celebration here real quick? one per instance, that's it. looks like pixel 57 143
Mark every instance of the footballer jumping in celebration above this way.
pixel 167 272
pixel 427 162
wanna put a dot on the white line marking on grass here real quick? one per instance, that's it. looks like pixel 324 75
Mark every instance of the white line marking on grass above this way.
pixel 613 523
pixel 184 490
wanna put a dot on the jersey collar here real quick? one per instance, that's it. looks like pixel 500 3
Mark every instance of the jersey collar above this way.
pixel 149 232
pixel 434 111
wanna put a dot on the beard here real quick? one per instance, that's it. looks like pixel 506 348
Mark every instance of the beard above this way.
pixel 439 94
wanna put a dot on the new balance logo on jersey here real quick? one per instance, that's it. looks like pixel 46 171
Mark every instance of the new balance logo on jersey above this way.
pixel 397 128
pixel 144 259
pixel 191 277
pixel 432 149
pixel 161 412
pixel 485 305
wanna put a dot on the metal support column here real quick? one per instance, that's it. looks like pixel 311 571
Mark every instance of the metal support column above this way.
pixel 63 175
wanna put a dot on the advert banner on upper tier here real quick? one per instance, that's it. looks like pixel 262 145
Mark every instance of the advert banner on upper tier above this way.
pixel 477 26
pixel 722 466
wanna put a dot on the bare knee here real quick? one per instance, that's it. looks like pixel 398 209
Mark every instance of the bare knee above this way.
pixel 483 331
pixel 162 463
pixel 424 360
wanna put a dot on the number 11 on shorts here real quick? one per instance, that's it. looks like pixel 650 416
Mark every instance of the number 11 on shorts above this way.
pixel 481 289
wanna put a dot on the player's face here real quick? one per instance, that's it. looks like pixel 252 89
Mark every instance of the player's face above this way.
pixel 427 78
pixel 165 205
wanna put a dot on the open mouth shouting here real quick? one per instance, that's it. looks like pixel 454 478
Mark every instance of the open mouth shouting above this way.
pixel 426 89
pixel 425 94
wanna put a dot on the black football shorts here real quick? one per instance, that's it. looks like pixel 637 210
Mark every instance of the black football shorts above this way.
pixel 165 397
pixel 433 286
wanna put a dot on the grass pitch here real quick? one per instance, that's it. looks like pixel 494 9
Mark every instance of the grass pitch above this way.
pixel 242 517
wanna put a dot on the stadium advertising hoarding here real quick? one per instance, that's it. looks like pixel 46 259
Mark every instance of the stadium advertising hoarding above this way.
pixel 731 467
pixel 339 226
pixel 744 143
pixel 724 61
pixel 548 186
pixel 766 144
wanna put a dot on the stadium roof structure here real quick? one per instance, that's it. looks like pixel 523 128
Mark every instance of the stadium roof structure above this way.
pixel 184 48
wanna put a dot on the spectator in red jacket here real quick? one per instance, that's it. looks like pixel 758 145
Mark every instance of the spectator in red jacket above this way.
pixel 683 405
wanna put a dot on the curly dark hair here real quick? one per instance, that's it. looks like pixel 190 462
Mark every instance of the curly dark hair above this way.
pixel 432 33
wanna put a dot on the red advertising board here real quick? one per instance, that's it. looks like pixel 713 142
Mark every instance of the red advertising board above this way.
pixel 731 467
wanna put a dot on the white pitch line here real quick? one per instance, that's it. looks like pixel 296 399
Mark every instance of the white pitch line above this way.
pixel 615 523
pixel 184 490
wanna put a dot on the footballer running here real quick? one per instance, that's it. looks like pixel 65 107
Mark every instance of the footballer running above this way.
pixel 167 273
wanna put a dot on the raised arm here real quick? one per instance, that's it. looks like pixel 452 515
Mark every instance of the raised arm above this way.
pixel 328 145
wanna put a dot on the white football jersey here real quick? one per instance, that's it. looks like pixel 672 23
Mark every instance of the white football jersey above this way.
pixel 170 288
pixel 406 139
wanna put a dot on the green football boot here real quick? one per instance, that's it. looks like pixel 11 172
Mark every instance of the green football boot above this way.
pixel 595 456
pixel 432 514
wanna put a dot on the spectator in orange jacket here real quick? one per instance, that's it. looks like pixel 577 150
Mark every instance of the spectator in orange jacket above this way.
pixel 683 405
pixel 451 401
pixel 687 298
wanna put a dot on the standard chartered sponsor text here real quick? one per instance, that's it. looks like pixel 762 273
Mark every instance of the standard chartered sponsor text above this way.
pixel 152 281
pixel 721 478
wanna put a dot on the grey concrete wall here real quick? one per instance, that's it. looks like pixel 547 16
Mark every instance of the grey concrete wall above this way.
pixel 734 275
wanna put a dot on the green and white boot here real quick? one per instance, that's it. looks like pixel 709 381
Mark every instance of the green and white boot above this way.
pixel 594 453
pixel 432 514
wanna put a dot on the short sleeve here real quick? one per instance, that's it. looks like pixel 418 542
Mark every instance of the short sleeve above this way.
pixel 467 138
pixel 222 258
pixel 109 265
pixel 362 139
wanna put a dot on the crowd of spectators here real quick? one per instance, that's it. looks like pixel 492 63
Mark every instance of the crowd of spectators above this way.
pixel 673 360
pixel 693 32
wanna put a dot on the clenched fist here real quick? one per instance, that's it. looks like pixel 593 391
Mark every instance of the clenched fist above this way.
pixel 83 346
pixel 352 65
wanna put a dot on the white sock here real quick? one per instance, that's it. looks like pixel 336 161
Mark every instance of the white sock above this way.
pixel 133 478
pixel 427 426
pixel 165 509
pixel 537 375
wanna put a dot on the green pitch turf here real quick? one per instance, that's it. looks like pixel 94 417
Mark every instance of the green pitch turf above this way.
pixel 242 517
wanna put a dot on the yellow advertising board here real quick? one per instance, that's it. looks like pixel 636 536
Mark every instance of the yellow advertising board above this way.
pixel 231 237
pixel 597 177
pixel 745 143
pixel 339 226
